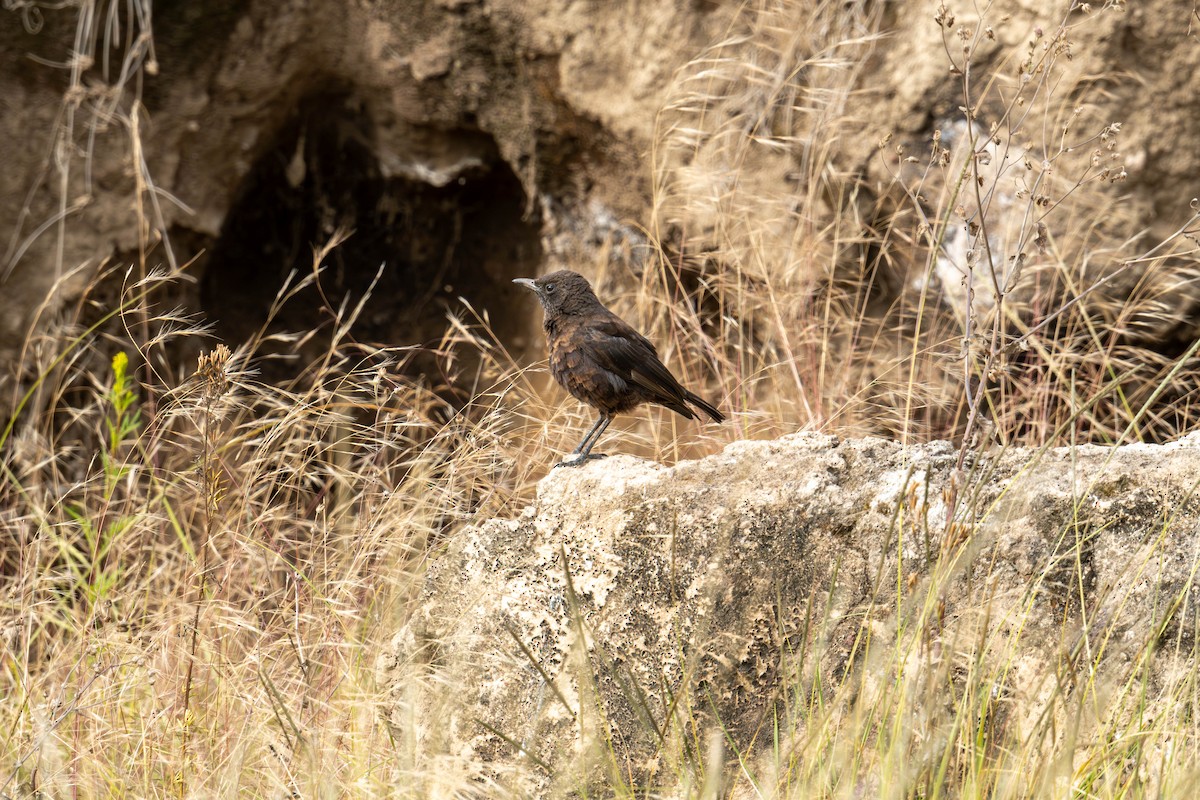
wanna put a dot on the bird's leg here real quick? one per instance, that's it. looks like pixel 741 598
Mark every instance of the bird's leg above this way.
pixel 584 451
pixel 601 426
pixel 588 436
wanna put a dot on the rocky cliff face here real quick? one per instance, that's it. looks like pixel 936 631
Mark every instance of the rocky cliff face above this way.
pixel 635 606
pixel 468 142
pixel 246 133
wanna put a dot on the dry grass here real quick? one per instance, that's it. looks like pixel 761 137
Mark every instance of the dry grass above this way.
pixel 197 568
pixel 193 589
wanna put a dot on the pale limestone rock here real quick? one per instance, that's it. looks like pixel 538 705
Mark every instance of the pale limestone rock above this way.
pixel 740 577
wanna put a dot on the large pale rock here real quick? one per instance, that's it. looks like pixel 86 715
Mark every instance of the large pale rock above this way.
pixel 631 595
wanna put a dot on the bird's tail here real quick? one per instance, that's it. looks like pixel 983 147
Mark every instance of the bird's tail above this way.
pixel 706 407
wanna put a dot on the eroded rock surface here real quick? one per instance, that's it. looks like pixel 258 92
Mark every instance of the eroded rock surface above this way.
pixel 631 591
pixel 245 133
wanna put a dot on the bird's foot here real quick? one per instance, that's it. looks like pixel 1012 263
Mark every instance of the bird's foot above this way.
pixel 574 460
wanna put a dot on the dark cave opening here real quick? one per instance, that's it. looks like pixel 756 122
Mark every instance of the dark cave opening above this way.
pixel 439 232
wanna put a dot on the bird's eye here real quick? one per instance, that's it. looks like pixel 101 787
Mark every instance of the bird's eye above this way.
pixel 549 288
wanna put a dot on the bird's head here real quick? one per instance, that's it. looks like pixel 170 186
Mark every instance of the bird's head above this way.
pixel 562 292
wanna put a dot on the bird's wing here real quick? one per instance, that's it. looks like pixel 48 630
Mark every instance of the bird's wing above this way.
pixel 624 351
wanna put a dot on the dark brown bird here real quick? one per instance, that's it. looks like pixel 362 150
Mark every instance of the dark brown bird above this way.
pixel 601 360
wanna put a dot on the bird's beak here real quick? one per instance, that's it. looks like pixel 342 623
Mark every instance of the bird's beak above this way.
pixel 527 283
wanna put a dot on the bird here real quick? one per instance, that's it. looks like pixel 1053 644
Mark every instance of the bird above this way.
pixel 602 361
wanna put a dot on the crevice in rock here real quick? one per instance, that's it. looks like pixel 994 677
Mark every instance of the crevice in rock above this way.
pixel 436 214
